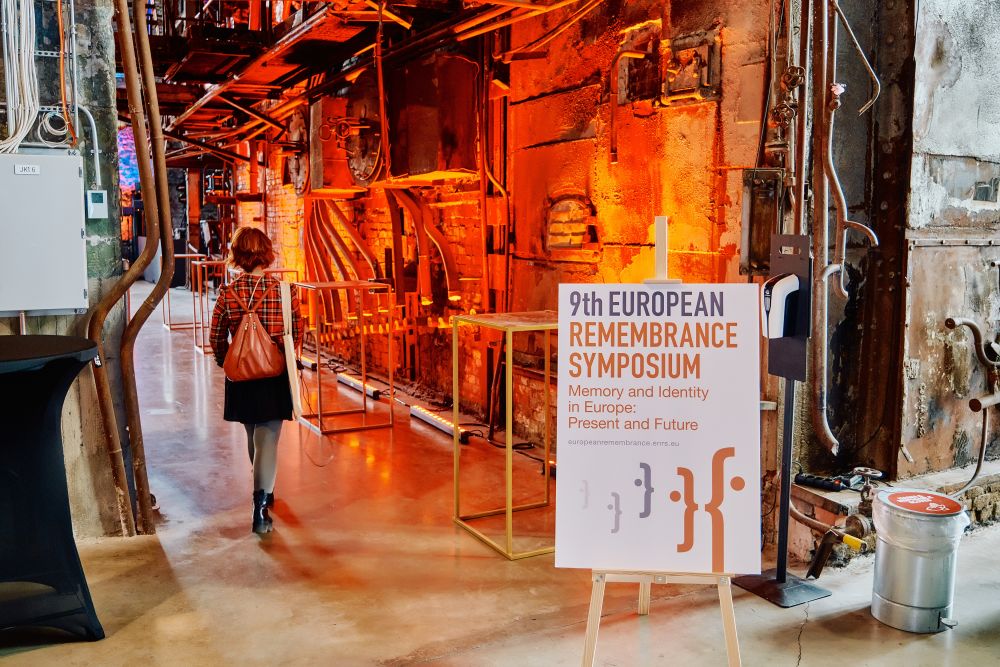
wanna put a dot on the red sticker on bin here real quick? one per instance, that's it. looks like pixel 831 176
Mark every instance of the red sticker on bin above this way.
pixel 925 502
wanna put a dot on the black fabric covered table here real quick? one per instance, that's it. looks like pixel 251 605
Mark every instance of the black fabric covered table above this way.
pixel 41 580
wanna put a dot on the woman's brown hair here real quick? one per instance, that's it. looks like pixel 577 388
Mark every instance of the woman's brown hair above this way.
pixel 249 249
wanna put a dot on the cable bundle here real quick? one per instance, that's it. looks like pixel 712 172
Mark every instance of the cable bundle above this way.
pixel 22 79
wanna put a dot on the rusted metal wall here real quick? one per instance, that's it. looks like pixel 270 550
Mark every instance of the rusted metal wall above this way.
pixel 674 161
pixel 872 152
pixel 952 230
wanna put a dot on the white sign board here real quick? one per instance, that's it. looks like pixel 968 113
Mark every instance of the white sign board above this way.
pixel 659 428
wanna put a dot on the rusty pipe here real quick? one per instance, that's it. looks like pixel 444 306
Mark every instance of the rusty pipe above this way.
pixel 555 32
pixel 447 258
pixel 821 420
pixel 820 237
pixel 613 129
pixel 978 341
pixel 316 270
pixel 144 517
pixel 984 402
pixel 876 84
pixel 802 122
pixel 383 116
pixel 359 242
pixel 423 245
pixel 98 317
pixel 323 208
pixel 815 524
pixel 982 446
pixel 486 72
pixel 322 232
pixel 518 16
pixel 332 305
pixel 480 19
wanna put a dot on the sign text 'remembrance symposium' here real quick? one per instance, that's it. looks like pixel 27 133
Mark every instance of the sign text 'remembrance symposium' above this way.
pixel 641 330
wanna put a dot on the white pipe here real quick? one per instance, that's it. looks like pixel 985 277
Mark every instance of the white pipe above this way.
pixel 96 146
pixel 820 243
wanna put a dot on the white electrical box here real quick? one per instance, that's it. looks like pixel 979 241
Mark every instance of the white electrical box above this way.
pixel 43 252
pixel 97 204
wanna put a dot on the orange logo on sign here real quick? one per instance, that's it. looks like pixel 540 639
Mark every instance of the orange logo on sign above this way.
pixel 712 507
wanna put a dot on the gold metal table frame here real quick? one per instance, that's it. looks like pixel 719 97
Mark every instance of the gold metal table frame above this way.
pixel 202 311
pixel 165 311
pixel 315 420
pixel 508 323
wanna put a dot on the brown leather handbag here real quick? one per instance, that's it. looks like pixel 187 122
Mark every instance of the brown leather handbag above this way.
pixel 252 354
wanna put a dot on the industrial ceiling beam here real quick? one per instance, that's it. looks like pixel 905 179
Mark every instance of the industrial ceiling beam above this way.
pixel 250 111
pixel 234 82
pixel 217 150
pixel 222 152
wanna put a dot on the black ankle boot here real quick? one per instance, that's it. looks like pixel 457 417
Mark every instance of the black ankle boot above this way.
pixel 270 500
pixel 261 517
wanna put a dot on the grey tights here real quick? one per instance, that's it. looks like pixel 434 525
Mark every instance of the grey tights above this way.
pixel 262 445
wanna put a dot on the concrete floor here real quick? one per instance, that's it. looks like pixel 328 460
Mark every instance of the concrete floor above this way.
pixel 366 567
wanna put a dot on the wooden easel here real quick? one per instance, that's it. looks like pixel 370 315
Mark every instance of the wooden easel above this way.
pixel 647 579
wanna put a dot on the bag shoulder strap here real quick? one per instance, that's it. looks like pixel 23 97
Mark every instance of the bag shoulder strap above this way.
pixel 286 307
pixel 243 304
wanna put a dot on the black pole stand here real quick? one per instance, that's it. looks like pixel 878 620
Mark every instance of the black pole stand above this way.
pixel 777 585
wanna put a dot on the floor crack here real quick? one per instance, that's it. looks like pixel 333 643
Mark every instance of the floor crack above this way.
pixel 798 640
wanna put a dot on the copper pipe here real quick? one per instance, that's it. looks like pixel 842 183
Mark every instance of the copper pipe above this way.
pixel 511 4
pixel 518 16
pixel 356 238
pixel 613 129
pixel 144 517
pixel 322 233
pixel 484 150
pixel 95 326
pixel 396 18
pixel 315 268
pixel 332 308
pixel 479 19
pixel 423 245
pixel 802 122
pixel 396 220
pixel 447 258
pixel 555 32
pixel 323 208
pixel 383 115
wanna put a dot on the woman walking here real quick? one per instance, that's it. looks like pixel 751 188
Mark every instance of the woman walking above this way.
pixel 261 405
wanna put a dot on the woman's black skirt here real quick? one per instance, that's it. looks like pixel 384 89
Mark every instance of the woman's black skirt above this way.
pixel 256 401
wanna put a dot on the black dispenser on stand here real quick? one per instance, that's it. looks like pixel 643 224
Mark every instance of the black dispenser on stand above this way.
pixel 786 308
